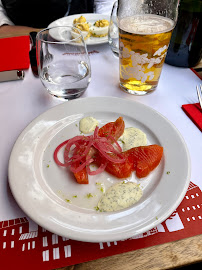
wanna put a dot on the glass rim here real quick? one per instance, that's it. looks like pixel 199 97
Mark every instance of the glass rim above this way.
pixel 60 41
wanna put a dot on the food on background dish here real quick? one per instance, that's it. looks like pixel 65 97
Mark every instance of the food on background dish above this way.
pixel 103 150
pixel 81 19
pixel 100 28
pixel 84 28
pixel 81 24
pixel 120 196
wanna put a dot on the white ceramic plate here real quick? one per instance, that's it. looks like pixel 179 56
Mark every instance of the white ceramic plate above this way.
pixel 42 189
pixel 90 17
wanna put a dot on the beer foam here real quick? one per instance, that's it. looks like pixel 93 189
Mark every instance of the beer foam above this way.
pixel 146 24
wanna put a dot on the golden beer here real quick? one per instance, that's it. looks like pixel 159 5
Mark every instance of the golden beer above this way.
pixel 143 43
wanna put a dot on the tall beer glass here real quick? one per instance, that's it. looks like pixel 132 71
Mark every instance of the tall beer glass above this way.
pixel 145 29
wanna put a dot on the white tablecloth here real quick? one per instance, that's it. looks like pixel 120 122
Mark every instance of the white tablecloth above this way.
pixel 22 101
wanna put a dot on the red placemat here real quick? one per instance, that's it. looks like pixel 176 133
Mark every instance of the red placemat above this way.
pixel 194 112
pixel 14 53
pixel 40 249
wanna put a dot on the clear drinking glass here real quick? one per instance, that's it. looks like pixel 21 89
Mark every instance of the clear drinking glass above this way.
pixel 145 29
pixel 63 61
pixel 113 32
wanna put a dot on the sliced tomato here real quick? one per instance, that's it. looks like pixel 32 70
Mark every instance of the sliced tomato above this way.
pixel 120 170
pixel 142 159
pixel 145 158
pixel 81 176
pixel 114 129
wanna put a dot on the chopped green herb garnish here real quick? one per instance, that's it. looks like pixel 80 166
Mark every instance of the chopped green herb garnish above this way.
pixel 48 166
pixel 168 172
pixel 102 189
pixel 67 200
pixel 89 195
pixel 98 183
pixel 97 208
pixel 74 196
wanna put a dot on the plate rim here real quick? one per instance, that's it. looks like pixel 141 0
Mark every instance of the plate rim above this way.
pixel 103 238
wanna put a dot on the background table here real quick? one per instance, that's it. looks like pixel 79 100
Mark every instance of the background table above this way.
pixel 161 257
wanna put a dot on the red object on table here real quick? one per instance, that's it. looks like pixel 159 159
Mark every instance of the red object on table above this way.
pixel 14 53
pixel 194 112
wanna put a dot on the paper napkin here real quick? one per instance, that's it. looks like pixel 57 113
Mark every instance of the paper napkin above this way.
pixel 194 112
pixel 14 53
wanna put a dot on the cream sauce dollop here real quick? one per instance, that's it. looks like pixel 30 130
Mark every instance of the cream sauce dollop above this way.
pixel 133 137
pixel 120 196
pixel 88 124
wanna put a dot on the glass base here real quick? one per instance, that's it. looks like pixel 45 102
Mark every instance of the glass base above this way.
pixel 69 96
pixel 137 91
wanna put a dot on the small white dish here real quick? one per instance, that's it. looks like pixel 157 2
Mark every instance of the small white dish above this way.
pixel 42 189
pixel 90 17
